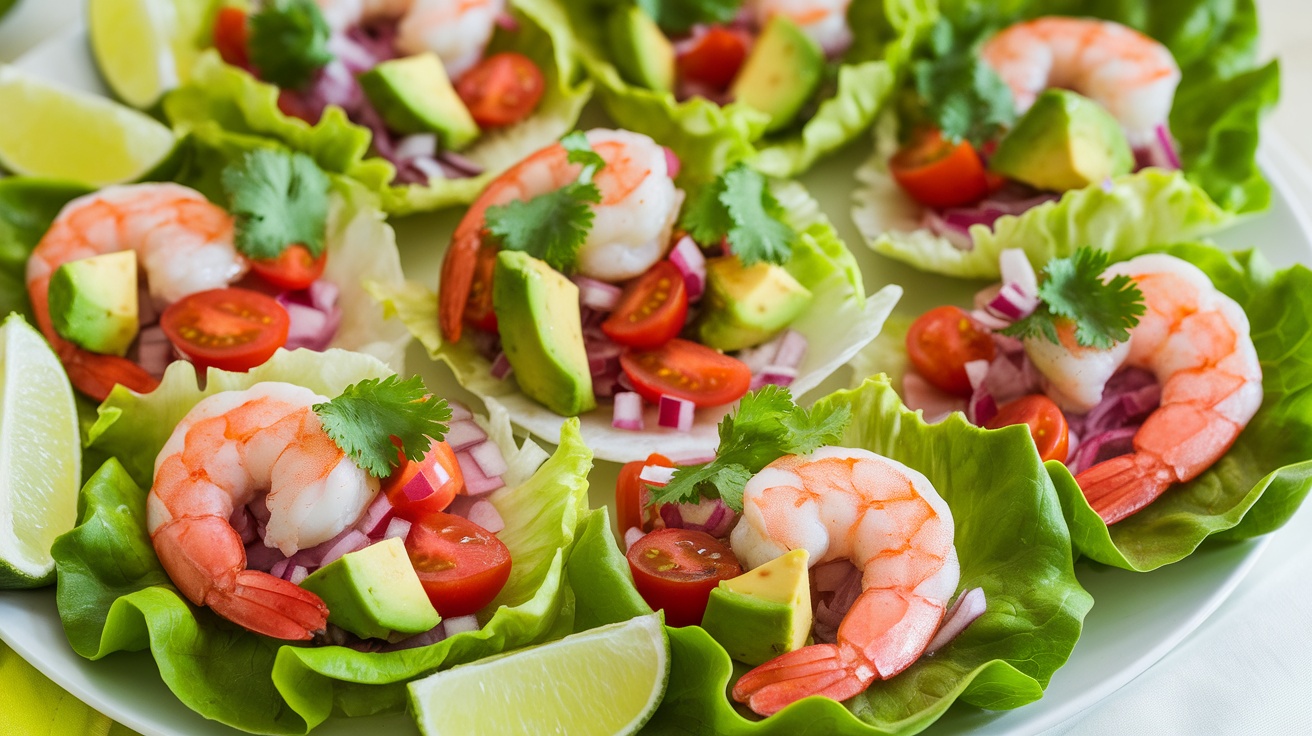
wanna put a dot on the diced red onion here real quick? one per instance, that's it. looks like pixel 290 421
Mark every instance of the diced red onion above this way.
pixel 501 368
pixel 709 515
pixel 282 569
pixel 597 295
pixel 486 515
pixel 628 411
pixel 489 458
pixel 373 522
pixel 632 535
pixel 954 224
pixel 935 405
pixel 672 163
pixel 297 574
pixel 976 371
pixel 351 541
pixel 830 576
pixel 429 169
pixel 154 350
pixel 1016 269
pixel 427 638
pixel 336 85
pixel 507 22
pixel 675 413
pixel 397 528
pixel 1012 303
pixel 774 375
pixel 459 412
pixel 691 262
pixel 1161 152
pixel 243 523
pixel 968 607
pixel 981 408
pixel 462 166
pixel 260 557
pixel 418 145
pixel 476 481
pixel 792 350
pixel 1102 447
pixel 260 509
pixel 831 613
pixel 314 315
pixel 988 320
pixel 464 434
pixel 460 625
pixel 427 481
pixel 656 475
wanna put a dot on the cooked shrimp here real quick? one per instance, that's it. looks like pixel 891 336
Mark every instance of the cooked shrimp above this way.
pixel 825 21
pixel 891 523
pixel 630 229
pixel 229 449
pixel 1196 341
pixel 1125 71
pixel 457 31
pixel 183 243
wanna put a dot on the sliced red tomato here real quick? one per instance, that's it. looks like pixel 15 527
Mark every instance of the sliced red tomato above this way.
pixel 230 36
pixel 652 310
pixel 686 370
pixel 1047 424
pixel 632 497
pixel 715 58
pixel 676 569
pixel 294 270
pixel 438 471
pixel 502 89
pixel 232 329
pixel 461 565
pixel 939 173
pixel 942 341
pixel 478 310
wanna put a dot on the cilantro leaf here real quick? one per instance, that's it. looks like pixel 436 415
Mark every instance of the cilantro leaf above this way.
pixel 960 94
pixel 678 16
pixel 279 198
pixel 288 42
pixel 1103 312
pixel 704 216
pixel 811 430
pixel 371 418
pixel 580 152
pixel 738 205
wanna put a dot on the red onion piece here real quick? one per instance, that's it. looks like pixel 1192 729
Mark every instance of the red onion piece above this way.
pixel 628 411
pixel 1099 448
pixel 597 295
pixel 981 408
pixel 976 371
pixel 1016 269
pixel 282 569
pixel 349 541
pixel 154 351
pixel 828 577
pixel 691 262
pixel 427 638
pixel 935 405
pixel 1012 303
pixel 418 145
pixel 774 375
pixel 476 481
pixel 1160 152
pixel 460 624
pixel 507 22
pixel 672 163
pixel 675 413
pixel 489 458
pixel 297 574
pixel 464 434
pixel 486 515
pixel 501 368
pixel 314 314
pixel 397 528
pixel 968 607
pixel 262 558
pixel 459 412
pixel 656 475
pixel 373 522
pixel 792 350
pixel 988 320
pixel 632 535
pixel 709 515
pixel 243 523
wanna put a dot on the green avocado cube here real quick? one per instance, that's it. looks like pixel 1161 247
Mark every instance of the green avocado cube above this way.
pixel 374 592
pixel 642 53
pixel 781 73
pixel 537 312
pixel 1064 141
pixel 93 302
pixel 764 612
pixel 414 95
pixel 747 305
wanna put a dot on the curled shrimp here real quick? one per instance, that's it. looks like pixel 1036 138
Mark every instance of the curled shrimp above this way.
pixel 824 21
pixel 1125 71
pixel 228 450
pixel 1196 341
pixel 183 244
pixel 630 228
pixel 890 522
pixel 457 31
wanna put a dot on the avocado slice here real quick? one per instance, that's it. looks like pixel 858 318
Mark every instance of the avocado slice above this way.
pixel 414 95
pixel 781 73
pixel 642 53
pixel 93 302
pixel 747 305
pixel 764 612
pixel 537 312
pixel 374 592
pixel 1065 141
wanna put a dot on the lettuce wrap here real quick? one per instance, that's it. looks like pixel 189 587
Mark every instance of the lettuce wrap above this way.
pixel 217 94
pixel 114 596
pixel 1222 96
pixel 838 323
pixel 708 136
pixel 1011 540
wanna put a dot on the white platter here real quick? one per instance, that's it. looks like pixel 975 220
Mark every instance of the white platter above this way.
pixel 1136 619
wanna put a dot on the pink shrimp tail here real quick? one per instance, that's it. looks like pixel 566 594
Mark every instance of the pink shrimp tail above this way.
pixel 1121 486
pixel 836 671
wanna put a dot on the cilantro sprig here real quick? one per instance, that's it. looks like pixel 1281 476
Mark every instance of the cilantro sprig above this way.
pixel 677 16
pixel 1103 312
pixel 552 226
pixel 738 205
pixel 767 426
pixel 372 418
pixel 288 42
pixel 958 92
pixel 279 198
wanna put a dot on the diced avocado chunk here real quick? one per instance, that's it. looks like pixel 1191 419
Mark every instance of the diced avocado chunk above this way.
pixel 374 592
pixel 93 302
pixel 414 95
pixel 781 73
pixel 1065 141
pixel 747 305
pixel 764 612
pixel 642 53
pixel 537 312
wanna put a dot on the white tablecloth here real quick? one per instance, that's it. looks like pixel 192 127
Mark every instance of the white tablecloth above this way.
pixel 1248 669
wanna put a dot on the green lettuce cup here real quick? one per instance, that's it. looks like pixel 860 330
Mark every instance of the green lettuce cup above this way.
pixel 1223 94
pixel 217 94
pixel 708 136
pixel 114 596
pixel 838 323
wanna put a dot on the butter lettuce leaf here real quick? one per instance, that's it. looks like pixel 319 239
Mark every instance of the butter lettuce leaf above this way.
pixel 114 596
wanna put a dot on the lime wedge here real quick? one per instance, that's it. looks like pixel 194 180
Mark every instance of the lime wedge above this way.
pixel 605 681
pixel 40 455
pixel 145 48
pixel 55 132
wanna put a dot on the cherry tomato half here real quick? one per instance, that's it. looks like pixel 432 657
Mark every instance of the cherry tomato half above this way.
pixel 478 310
pixel 941 342
pixel 632 497
pixel 715 57
pixel 676 569
pixel 440 471
pixel 939 173
pixel 1047 424
pixel 230 34
pixel 686 370
pixel 461 565
pixel 232 329
pixel 294 269
pixel 652 310
pixel 502 89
